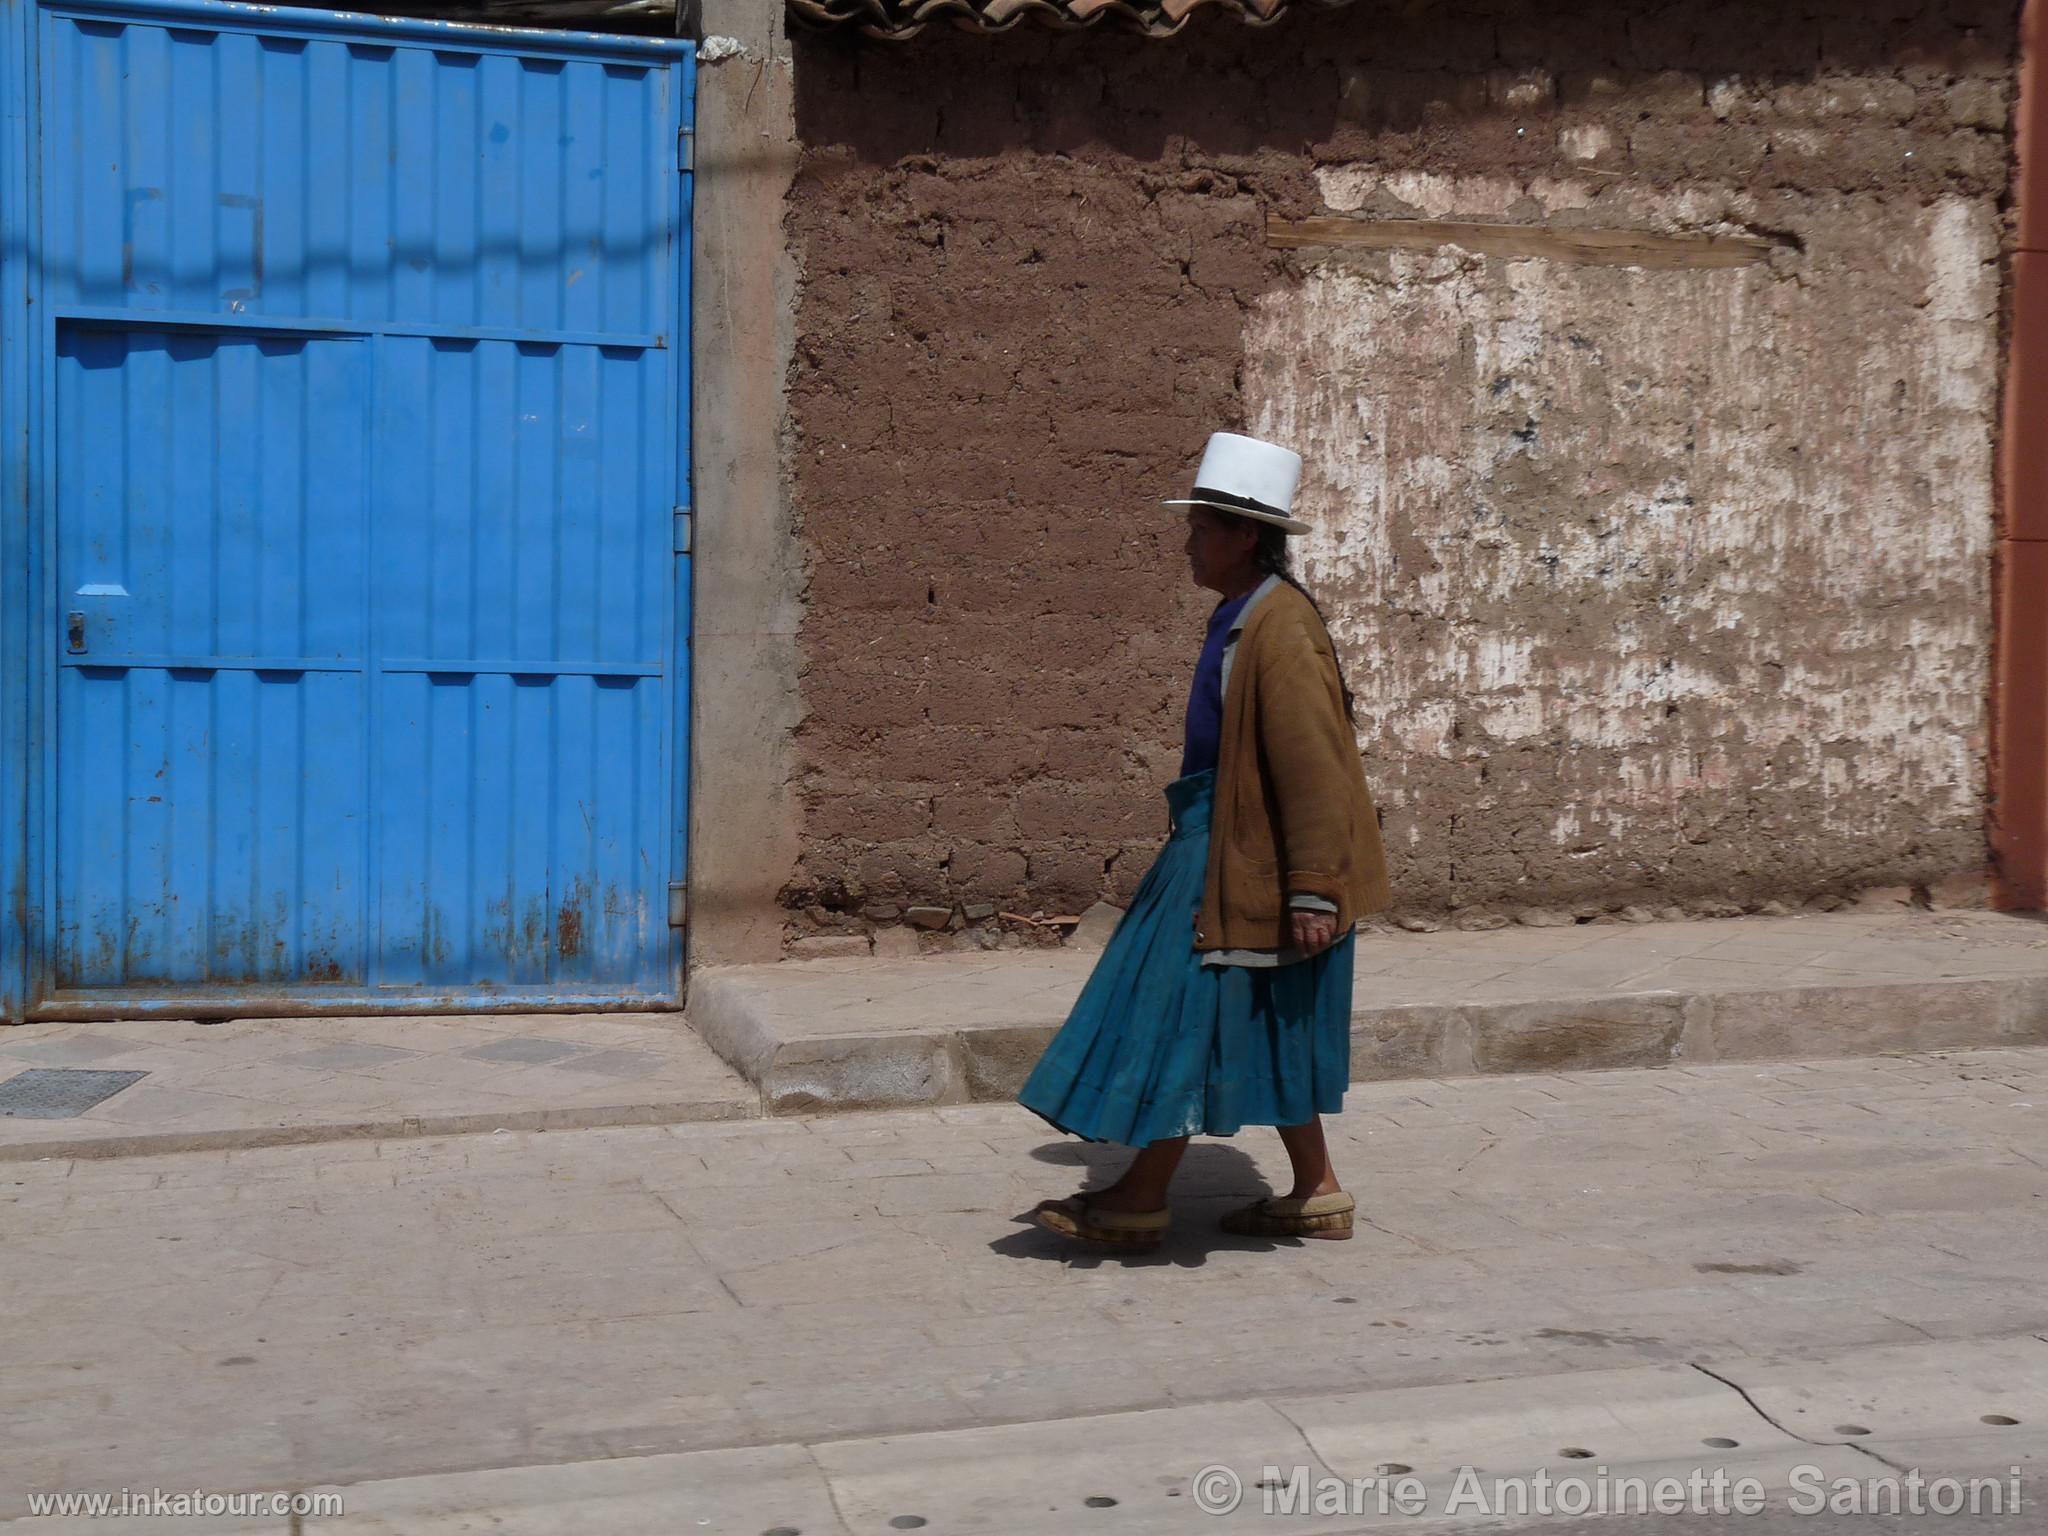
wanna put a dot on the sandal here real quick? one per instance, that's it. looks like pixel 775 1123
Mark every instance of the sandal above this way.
pixel 1077 1217
pixel 1283 1216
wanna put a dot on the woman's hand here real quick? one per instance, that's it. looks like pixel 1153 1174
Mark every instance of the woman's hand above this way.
pixel 1314 932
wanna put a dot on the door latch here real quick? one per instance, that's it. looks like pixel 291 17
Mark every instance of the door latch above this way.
pixel 74 632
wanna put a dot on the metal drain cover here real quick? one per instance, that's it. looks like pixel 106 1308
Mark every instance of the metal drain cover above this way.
pixel 58 1093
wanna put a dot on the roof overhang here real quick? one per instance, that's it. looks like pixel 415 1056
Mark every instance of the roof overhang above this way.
pixel 897 20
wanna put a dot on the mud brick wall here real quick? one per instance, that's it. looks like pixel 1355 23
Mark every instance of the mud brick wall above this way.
pixel 1657 584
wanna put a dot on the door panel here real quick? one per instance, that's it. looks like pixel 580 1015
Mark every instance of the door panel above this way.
pixel 210 798
pixel 520 639
pixel 511 849
pixel 370 178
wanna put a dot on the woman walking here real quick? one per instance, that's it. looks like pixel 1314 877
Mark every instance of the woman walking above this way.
pixel 1224 998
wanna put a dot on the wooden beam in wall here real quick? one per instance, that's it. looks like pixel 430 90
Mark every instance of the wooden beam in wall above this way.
pixel 1580 247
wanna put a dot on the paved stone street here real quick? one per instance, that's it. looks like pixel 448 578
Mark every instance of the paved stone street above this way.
pixel 368 1310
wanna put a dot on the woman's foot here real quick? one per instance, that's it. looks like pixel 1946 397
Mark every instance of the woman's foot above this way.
pixel 1130 1211
pixel 1327 1215
pixel 1080 1217
pixel 1308 1189
pixel 1126 1201
pixel 1308 1154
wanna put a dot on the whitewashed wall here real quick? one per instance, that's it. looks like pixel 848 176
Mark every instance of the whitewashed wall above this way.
pixel 1664 580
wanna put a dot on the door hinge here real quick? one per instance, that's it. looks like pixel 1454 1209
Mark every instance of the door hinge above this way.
pixel 686 149
pixel 682 530
pixel 678 905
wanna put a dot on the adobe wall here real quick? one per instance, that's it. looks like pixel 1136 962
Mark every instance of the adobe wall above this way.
pixel 1664 585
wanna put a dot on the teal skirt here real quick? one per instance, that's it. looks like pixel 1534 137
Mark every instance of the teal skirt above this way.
pixel 1160 1045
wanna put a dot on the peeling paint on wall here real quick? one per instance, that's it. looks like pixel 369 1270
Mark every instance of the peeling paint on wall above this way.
pixel 1658 579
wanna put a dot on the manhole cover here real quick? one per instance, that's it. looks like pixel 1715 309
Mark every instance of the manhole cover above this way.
pixel 58 1093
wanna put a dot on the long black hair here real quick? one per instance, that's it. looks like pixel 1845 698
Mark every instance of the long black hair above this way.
pixel 1271 557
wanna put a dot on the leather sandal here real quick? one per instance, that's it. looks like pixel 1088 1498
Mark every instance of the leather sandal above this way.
pixel 1283 1216
pixel 1078 1217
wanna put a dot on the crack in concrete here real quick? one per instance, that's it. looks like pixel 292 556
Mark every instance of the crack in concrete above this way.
pixel 1480 1153
pixel 690 1242
pixel 1743 1392
pixel 1399 1237
pixel 1883 1461
pixel 1786 1429
pixel 831 1486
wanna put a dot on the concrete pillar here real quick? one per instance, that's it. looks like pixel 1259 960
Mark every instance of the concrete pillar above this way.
pixel 744 703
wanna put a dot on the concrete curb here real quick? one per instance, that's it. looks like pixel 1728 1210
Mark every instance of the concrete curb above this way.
pixel 1788 1425
pixel 803 1068
pixel 151 1143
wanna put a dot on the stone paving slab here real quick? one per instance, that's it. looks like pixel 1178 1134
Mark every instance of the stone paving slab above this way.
pixel 288 1317
pixel 951 1029
pixel 1170 1471
pixel 251 1082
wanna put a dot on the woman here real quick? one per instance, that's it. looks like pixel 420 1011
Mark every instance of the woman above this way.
pixel 1224 997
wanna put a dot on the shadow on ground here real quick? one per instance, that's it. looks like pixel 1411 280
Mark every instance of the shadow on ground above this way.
pixel 1213 1177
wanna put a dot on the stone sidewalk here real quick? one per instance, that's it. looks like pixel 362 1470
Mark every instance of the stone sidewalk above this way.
pixel 951 1029
pixel 947 1029
pixel 291 1317
pixel 253 1082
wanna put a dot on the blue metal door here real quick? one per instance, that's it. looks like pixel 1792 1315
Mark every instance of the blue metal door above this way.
pixel 352 475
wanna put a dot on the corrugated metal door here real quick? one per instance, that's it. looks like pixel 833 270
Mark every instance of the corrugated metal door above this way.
pixel 357 459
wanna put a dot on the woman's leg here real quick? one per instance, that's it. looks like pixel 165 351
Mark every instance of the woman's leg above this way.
pixel 1143 1185
pixel 1310 1155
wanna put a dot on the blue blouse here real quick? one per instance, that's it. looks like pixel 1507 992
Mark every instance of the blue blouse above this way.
pixel 1204 740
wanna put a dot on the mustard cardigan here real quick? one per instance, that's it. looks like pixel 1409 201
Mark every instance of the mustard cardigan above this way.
pixel 1292 811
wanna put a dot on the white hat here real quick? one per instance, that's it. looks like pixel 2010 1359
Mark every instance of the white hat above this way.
pixel 1244 476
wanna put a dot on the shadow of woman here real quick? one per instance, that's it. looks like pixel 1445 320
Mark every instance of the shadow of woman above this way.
pixel 1214 1176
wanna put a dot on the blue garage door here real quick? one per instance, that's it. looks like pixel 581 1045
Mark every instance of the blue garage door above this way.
pixel 360 384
